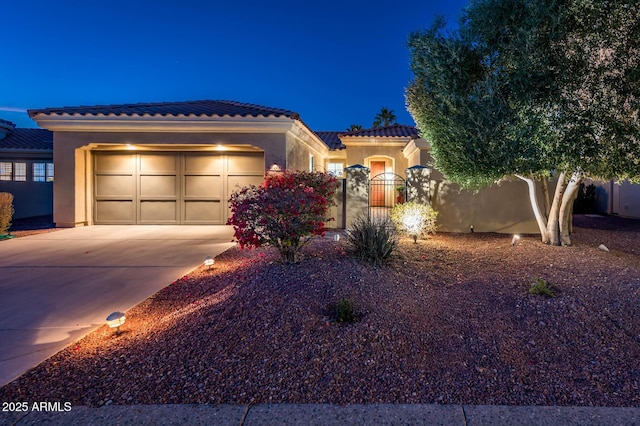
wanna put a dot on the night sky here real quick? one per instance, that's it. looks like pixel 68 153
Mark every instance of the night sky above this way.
pixel 334 62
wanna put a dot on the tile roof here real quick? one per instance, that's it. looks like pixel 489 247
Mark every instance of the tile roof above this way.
pixel 394 130
pixel 27 139
pixel 207 108
pixel 331 139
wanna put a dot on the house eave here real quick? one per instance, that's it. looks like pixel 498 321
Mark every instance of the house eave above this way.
pixel 163 123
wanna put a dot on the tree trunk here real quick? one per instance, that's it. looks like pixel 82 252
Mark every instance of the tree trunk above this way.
pixel 553 225
pixel 545 193
pixel 569 196
pixel 541 218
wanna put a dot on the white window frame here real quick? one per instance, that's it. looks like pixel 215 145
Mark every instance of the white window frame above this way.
pixel 6 170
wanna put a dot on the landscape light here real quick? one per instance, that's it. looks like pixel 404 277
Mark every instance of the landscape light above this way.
pixel 515 240
pixel 115 320
pixel 208 262
pixel 336 237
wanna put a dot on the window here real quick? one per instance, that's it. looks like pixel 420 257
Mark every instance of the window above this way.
pixel 336 169
pixel 311 163
pixel 6 170
pixel 49 172
pixel 42 172
pixel 20 172
pixel 39 172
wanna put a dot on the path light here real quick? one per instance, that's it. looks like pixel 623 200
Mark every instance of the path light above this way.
pixel 115 320
pixel 208 262
pixel 515 240
pixel 336 237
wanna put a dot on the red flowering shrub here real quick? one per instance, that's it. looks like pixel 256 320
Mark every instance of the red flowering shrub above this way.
pixel 284 212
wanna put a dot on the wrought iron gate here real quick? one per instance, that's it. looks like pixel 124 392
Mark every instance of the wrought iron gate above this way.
pixel 385 191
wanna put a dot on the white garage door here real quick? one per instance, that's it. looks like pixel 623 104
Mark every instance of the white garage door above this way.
pixel 170 187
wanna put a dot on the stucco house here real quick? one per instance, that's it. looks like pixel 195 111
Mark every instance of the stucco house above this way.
pixel 26 169
pixel 178 162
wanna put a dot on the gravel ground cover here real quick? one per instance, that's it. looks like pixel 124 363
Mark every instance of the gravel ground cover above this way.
pixel 448 320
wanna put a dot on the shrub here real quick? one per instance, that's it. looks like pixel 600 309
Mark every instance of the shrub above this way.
pixel 373 240
pixel 284 212
pixel 344 312
pixel 415 219
pixel 541 288
pixel 6 211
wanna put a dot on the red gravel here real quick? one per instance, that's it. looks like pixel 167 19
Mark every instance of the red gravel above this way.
pixel 448 320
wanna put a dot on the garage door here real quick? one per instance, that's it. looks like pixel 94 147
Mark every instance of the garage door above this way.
pixel 169 187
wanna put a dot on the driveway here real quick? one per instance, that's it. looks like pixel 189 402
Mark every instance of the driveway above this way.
pixel 57 287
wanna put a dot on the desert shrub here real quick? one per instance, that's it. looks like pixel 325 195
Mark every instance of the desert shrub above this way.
pixel 344 312
pixel 373 240
pixel 415 219
pixel 6 211
pixel 284 212
pixel 541 287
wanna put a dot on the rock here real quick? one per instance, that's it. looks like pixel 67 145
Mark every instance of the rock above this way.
pixel 603 248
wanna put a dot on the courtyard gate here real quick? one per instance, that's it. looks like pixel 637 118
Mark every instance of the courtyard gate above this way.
pixel 385 191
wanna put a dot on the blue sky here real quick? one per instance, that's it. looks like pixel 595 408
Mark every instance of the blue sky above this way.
pixel 334 62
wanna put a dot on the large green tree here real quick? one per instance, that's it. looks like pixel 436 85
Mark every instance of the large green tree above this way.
pixel 526 87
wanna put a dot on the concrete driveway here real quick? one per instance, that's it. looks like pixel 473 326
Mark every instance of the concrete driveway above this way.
pixel 59 286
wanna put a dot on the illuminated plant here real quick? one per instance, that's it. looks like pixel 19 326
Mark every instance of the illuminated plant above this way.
pixel 284 212
pixel 415 219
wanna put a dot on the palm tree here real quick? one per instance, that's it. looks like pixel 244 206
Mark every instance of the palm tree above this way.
pixel 354 128
pixel 385 117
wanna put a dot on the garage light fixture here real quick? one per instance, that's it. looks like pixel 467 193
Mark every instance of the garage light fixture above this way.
pixel 115 320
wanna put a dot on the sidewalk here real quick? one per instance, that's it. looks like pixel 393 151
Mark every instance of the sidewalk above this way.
pixel 321 414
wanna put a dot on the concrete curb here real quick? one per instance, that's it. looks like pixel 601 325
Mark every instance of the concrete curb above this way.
pixel 325 414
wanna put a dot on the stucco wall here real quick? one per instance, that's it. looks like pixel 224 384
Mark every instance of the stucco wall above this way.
pixel 30 198
pixel 362 154
pixel 622 199
pixel 503 208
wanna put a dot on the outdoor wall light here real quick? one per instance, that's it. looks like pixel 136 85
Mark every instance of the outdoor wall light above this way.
pixel 115 320
pixel 209 261
pixel 515 240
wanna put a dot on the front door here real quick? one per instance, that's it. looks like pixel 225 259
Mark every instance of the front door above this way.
pixel 377 191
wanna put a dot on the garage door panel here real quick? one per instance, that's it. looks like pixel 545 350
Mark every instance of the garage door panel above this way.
pixel 203 212
pixel 203 186
pixel 158 186
pixel 246 163
pixel 115 163
pixel 203 164
pixel 158 163
pixel 115 186
pixel 158 211
pixel 115 212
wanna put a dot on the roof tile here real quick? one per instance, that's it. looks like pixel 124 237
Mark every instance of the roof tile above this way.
pixel 207 108
pixel 27 139
pixel 331 139
pixel 394 130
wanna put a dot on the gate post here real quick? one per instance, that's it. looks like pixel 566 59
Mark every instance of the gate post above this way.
pixel 418 184
pixel 357 192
